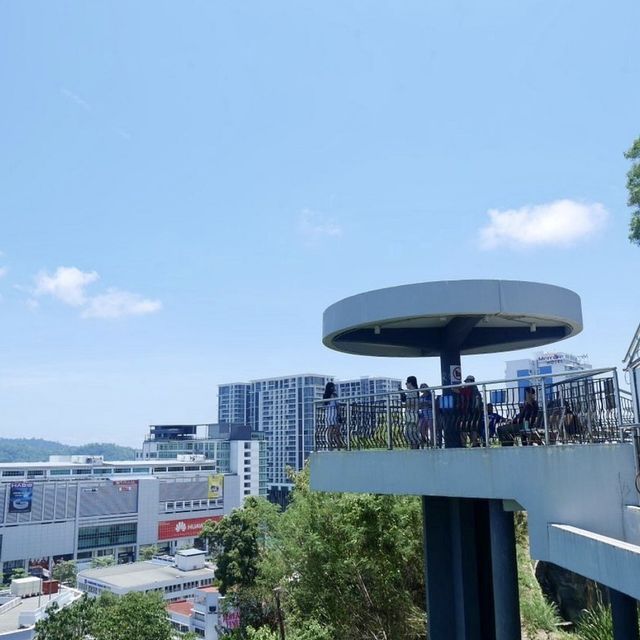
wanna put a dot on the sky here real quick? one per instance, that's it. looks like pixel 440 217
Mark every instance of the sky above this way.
pixel 185 187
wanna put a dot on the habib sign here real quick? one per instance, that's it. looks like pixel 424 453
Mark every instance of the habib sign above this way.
pixel 183 528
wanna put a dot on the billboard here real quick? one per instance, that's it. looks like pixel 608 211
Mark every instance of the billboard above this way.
pixel 20 497
pixel 215 486
pixel 184 528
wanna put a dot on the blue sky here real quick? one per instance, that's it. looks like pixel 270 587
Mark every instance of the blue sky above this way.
pixel 185 187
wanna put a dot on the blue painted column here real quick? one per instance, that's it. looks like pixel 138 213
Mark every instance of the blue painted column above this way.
pixel 624 611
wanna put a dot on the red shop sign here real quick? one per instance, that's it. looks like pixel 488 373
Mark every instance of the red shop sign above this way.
pixel 183 528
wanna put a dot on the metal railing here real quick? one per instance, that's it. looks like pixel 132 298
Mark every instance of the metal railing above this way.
pixel 573 407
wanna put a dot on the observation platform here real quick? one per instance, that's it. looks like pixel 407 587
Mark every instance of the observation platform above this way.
pixel 567 450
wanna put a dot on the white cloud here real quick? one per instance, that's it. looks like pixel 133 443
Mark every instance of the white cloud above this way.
pixel 116 304
pixel 69 284
pixel 66 284
pixel 75 98
pixel 3 271
pixel 561 222
pixel 314 226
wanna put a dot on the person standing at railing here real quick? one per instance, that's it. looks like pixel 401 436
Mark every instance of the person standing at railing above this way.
pixel 471 412
pixel 411 412
pixel 332 416
pixel 425 415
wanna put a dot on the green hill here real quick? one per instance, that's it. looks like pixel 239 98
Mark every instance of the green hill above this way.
pixel 39 450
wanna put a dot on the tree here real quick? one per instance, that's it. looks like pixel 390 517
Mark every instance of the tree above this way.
pixel 237 542
pixel 135 615
pixel 18 573
pixel 146 553
pixel 633 187
pixel 102 561
pixel 66 572
pixel 71 623
pixel 349 565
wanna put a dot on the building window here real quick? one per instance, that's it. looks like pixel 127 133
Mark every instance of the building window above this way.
pixel 107 535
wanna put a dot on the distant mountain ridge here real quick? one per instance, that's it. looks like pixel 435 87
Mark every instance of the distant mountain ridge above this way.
pixel 39 450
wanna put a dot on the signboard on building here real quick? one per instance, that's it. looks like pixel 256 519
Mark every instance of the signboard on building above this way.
pixel 215 486
pixel 20 497
pixel 185 528
pixel 126 485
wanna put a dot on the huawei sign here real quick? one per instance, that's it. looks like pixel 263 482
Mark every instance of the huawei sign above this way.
pixel 186 528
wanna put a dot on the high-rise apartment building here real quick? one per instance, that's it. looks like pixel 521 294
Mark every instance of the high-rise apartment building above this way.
pixel 282 409
pixel 366 386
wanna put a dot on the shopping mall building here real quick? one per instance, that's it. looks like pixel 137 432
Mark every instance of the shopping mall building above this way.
pixel 81 507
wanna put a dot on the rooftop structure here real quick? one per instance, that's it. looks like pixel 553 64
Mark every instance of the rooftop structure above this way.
pixel 233 448
pixel 172 581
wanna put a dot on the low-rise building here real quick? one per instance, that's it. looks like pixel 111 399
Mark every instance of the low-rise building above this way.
pixel 201 615
pixel 174 582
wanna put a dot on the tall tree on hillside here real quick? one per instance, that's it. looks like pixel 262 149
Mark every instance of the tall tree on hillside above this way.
pixel 350 564
pixel 238 542
pixel 633 187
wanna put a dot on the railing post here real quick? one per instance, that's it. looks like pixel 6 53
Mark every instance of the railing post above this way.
pixel 616 387
pixel 315 427
pixel 389 434
pixel 486 415
pixel 545 417
pixel 434 426
pixel 348 426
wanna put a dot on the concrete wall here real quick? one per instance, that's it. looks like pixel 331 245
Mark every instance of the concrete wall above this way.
pixel 586 486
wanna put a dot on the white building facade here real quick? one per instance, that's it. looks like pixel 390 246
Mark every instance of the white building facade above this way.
pixel 544 364
pixel 233 448
pixel 80 507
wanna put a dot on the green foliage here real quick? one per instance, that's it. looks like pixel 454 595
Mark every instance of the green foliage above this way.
pixel 146 553
pixel 538 614
pixel 66 572
pixel 237 542
pixel 136 615
pixel 71 623
pixel 103 561
pixel 18 573
pixel 350 563
pixel 38 450
pixel 596 624
pixel 633 188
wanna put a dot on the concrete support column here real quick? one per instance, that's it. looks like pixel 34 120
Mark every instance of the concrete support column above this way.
pixel 458 580
pixel 450 420
pixel 438 577
pixel 624 610
pixel 504 569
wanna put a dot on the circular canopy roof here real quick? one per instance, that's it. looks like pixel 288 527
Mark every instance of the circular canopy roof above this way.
pixel 469 316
